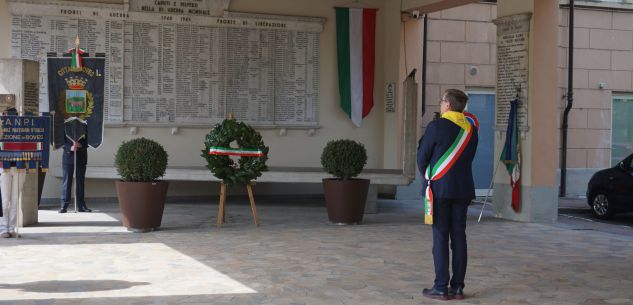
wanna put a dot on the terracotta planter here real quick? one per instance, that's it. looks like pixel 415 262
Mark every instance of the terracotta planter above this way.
pixel 345 199
pixel 141 204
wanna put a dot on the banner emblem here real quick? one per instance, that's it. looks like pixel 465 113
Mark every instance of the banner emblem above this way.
pixel 76 101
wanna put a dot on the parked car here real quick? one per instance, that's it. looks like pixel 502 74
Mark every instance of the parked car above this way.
pixel 611 190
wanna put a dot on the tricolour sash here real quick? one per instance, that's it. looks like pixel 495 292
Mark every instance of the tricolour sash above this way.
pixel 447 160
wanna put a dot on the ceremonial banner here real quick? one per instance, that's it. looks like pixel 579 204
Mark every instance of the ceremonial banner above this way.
pixel 24 141
pixel 75 93
pixel 355 45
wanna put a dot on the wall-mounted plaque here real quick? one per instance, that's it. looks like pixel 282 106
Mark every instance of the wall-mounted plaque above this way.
pixel 184 7
pixel 184 69
pixel 390 97
pixel 512 67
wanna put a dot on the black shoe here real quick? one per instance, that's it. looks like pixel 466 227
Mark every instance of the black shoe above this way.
pixel 62 210
pixel 435 294
pixel 456 293
pixel 84 209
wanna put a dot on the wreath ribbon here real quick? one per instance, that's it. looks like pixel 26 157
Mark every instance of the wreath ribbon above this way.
pixel 229 151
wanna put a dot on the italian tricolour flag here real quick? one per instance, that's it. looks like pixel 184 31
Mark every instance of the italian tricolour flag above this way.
pixel 355 42
pixel 76 62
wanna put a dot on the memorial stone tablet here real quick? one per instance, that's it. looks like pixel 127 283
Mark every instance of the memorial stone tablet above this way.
pixel 183 68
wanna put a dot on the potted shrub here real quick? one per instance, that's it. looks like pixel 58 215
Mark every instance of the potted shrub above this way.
pixel 140 162
pixel 345 196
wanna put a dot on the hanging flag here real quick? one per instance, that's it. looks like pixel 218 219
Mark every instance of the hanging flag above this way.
pixel 76 54
pixel 355 44
pixel 511 155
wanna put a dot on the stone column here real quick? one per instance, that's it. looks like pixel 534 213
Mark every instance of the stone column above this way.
pixel 20 77
pixel 527 39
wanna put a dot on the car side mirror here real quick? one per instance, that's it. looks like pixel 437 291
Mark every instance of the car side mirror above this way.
pixel 624 167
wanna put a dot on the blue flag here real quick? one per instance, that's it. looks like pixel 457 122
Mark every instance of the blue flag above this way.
pixel 511 155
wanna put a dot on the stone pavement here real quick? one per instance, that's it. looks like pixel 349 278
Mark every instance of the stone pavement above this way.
pixel 296 257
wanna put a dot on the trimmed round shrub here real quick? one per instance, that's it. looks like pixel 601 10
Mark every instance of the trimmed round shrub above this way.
pixel 141 160
pixel 344 159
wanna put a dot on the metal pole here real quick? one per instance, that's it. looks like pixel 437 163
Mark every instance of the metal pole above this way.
pixel 424 58
pixel 17 221
pixel 488 192
pixel 570 102
pixel 75 174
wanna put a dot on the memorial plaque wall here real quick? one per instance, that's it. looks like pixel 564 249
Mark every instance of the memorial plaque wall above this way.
pixel 184 69
pixel 512 67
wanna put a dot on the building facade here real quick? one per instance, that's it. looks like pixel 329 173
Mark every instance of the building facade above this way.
pixel 462 54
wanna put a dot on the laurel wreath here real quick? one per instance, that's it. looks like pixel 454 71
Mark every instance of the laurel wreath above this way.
pixel 223 167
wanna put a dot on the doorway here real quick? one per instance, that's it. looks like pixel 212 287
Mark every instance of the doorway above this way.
pixel 621 128
pixel 481 103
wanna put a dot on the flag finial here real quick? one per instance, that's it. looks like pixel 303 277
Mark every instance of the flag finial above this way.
pixel 76 55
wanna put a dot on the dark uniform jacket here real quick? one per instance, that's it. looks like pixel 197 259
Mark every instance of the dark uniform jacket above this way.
pixel 458 182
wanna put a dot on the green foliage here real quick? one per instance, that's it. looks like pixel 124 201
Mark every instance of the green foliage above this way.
pixel 223 167
pixel 141 160
pixel 344 159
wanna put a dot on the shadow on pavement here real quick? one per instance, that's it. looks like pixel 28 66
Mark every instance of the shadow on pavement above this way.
pixel 72 286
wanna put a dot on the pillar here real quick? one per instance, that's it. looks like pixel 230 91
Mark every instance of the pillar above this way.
pixel 20 77
pixel 536 20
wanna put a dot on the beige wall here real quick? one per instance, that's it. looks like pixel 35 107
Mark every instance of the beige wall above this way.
pixel 5 33
pixel 432 5
pixel 379 133
pixel 459 38
pixel 542 96
pixel 411 58
pixel 512 7
pixel 389 57
pixel 603 53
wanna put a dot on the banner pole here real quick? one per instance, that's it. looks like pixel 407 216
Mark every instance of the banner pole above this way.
pixel 75 173
pixel 488 192
pixel 17 221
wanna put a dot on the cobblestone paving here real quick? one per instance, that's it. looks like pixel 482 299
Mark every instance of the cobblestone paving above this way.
pixel 296 257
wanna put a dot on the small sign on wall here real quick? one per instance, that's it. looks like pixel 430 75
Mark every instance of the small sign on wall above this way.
pixel 390 97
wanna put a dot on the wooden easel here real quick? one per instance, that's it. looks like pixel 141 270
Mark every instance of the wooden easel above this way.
pixel 221 214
